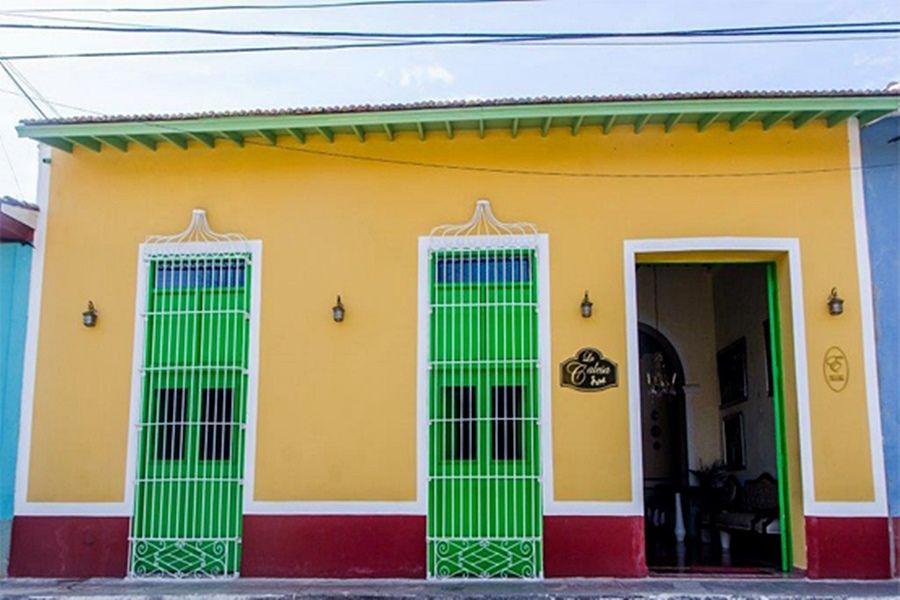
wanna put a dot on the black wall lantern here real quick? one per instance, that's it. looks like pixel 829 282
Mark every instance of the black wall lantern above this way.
pixel 587 307
pixel 835 303
pixel 337 311
pixel 89 317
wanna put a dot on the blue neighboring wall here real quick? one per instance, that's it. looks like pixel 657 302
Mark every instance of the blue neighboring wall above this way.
pixel 16 233
pixel 881 162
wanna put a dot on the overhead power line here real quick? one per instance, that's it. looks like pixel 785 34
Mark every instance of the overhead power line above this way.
pixel 714 42
pixel 564 174
pixel 354 45
pixel 120 24
pixel 22 90
pixel 402 39
pixel 117 22
pixel 54 103
pixel 865 28
pixel 48 17
pixel 12 169
pixel 572 43
pixel 249 50
pixel 291 6
pixel 30 86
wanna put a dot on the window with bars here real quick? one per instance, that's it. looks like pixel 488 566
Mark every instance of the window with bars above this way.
pixel 215 424
pixel 200 274
pixel 461 413
pixel 484 269
pixel 171 413
pixel 507 422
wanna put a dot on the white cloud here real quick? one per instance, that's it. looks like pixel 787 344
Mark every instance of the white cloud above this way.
pixel 420 75
pixel 865 59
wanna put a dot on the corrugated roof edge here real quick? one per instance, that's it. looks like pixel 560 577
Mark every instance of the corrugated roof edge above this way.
pixel 9 200
pixel 452 104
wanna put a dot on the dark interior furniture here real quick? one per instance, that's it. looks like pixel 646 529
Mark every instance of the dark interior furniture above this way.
pixel 751 507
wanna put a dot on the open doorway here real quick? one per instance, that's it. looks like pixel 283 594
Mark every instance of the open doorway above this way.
pixel 711 419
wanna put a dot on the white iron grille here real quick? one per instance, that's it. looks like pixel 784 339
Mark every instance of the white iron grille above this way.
pixel 484 511
pixel 189 480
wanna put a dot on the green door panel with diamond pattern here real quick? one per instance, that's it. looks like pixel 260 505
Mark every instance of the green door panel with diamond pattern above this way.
pixel 484 510
pixel 188 490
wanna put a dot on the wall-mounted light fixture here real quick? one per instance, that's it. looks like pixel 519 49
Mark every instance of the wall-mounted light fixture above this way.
pixel 89 317
pixel 835 303
pixel 587 307
pixel 337 311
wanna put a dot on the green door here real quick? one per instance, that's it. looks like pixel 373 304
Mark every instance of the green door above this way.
pixel 484 510
pixel 776 370
pixel 188 489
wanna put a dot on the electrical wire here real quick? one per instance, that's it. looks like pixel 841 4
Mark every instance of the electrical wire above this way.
pixel 246 50
pixel 403 39
pixel 563 44
pixel 294 6
pixel 862 25
pixel 101 22
pixel 877 27
pixel 21 89
pixel 37 94
pixel 54 103
pixel 729 42
pixel 43 17
pixel 357 45
pixel 11 168
pixel 565 174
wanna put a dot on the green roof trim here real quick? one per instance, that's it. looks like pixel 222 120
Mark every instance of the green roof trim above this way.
pixel 580 118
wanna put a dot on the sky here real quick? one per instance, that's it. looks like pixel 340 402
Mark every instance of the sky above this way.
pixel 359 76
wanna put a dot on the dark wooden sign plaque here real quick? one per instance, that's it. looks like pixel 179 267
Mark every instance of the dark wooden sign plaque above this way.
pixel 588 371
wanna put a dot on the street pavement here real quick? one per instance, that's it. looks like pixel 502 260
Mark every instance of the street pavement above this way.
pixel 309 589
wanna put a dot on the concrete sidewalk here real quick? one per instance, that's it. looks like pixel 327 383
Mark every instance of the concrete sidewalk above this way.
pixel 631 589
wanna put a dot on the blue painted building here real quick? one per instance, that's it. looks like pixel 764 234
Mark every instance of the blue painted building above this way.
pixel 881 162
pixel 17 223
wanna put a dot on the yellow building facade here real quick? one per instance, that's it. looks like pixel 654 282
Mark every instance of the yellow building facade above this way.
pixel 336 457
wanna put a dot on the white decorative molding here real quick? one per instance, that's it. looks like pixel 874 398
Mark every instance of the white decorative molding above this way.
pixel 483 222
pixel 197 232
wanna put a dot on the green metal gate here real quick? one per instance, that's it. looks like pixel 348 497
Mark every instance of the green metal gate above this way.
pixel 484 490
pixel 189 480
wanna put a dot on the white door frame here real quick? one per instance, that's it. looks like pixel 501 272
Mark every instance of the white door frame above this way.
pixel 791 248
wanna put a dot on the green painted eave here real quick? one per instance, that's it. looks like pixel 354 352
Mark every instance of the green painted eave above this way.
pixel 429 123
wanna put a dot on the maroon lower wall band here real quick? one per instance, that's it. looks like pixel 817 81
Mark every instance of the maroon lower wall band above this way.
pixel 896 530
pixel 848 547
pixel 336 546
pixel 600 546
pixel 75 547
pixel 394 546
